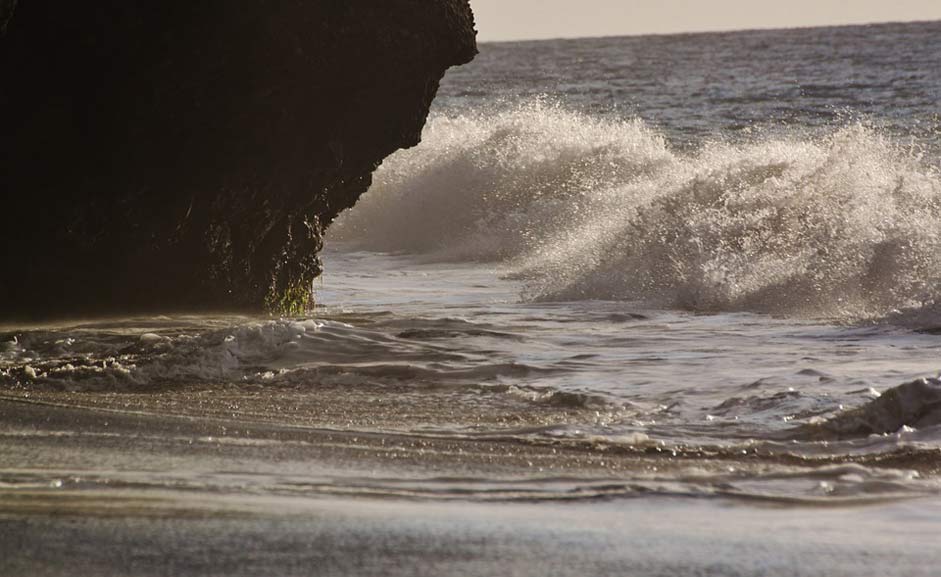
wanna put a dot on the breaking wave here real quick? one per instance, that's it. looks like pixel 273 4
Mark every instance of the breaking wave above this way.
pixel 841 225
pixel 912 406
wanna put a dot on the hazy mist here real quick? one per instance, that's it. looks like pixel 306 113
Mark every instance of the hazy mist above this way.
pixel 525 19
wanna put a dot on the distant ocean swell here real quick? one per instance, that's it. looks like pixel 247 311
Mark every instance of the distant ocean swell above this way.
pixel 842 225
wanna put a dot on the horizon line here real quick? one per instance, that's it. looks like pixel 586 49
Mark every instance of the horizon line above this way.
pixel 769 28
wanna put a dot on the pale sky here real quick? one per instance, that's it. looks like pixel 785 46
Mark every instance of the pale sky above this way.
pixel 530 19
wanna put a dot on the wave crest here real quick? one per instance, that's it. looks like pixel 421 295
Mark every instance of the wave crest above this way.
pixel 842 225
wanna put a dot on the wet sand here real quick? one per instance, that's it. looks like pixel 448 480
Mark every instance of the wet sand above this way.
pixel 178 535
pixel 96 491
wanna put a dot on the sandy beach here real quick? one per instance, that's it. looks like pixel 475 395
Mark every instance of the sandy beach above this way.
pixel 126 492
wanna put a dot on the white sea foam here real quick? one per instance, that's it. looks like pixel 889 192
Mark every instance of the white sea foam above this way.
pixel 840 225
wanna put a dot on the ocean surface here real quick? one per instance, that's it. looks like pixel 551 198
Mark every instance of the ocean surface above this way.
pixel 721 242
pixel 639 269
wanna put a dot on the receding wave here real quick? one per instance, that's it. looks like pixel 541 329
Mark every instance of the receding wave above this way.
pixel 838 225
pixel 281 352
pixel 911 406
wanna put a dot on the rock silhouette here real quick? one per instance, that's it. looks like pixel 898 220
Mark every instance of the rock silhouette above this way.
pixel 189 154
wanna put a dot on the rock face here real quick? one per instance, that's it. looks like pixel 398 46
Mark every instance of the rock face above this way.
pixel 188 154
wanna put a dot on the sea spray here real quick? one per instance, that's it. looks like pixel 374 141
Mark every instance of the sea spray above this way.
pixel 494 188
pixel 840 225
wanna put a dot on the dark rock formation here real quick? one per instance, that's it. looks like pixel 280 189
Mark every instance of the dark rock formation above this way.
pixel 6 12
pixel 189 153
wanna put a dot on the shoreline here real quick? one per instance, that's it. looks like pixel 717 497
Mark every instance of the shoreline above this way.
pixel 128 492
pixel 343 536
pixel 111 447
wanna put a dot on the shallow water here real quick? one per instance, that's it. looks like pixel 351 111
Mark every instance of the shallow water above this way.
pixel 793 409
pixel 725 241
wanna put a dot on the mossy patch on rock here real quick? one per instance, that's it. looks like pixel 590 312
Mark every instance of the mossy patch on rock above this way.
pixel 297 300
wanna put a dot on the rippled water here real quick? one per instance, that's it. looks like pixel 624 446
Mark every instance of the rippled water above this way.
pixel 693 265
pixel 696 87
pixel 724 240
